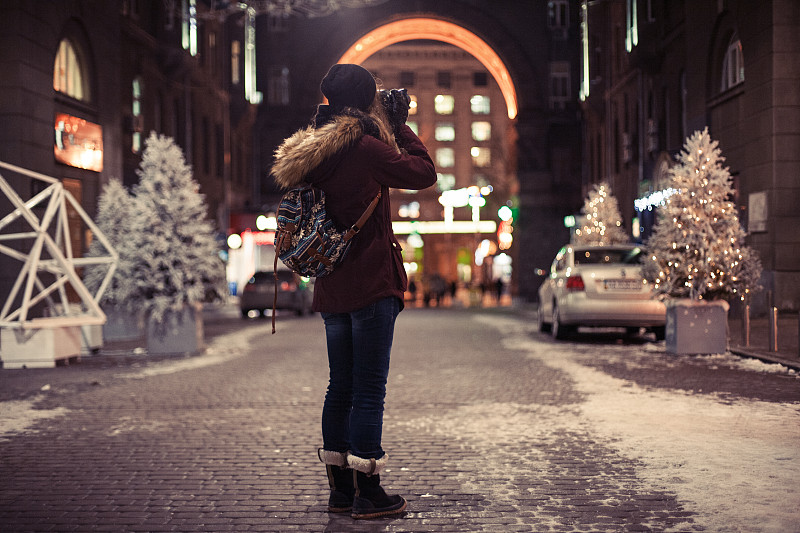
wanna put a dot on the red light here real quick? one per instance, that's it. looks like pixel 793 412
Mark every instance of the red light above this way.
pixel 285 286
pixel 575 283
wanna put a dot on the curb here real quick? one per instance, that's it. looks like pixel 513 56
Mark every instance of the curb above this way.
pixel 767 358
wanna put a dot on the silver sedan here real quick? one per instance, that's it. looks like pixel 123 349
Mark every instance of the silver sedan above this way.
pixel 599 286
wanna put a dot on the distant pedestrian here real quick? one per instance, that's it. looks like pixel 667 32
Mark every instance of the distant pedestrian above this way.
pixel 358 146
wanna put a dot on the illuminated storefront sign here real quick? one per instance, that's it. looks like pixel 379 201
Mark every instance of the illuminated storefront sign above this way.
pixel 440 226
pixel 78 142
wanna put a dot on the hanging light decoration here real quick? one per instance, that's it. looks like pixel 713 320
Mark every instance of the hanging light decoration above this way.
pixel 304 8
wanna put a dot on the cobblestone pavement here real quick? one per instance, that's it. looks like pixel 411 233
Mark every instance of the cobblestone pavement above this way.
pixel 480 436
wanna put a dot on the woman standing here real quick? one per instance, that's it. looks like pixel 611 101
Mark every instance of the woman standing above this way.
pixel 353 150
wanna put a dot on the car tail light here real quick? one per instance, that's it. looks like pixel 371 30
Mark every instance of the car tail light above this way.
pixel 575 283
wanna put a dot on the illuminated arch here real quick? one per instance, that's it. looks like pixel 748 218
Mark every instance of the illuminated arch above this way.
pixel 438 30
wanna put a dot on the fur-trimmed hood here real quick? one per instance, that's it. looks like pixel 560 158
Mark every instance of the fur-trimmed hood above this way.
pixel 307 148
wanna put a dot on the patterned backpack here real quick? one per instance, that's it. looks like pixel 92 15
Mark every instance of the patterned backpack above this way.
pixel 307 240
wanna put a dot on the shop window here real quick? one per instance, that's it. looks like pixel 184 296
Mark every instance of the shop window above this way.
pixel 444 104
pixel 480 104
pixel 445 131
pixel 69 72
pixel 481 156
pixel 445 157
pixel 481 131
pixel 732 65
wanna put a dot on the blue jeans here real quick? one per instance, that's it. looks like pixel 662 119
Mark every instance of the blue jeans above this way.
pixel 359 344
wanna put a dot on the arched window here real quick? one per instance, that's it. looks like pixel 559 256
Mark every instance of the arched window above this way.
pixel 69 72
pixel 732 65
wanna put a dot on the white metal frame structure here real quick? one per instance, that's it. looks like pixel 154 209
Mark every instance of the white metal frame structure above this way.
pixel 49 252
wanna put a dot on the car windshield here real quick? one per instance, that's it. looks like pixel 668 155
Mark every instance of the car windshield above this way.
pixel 596 256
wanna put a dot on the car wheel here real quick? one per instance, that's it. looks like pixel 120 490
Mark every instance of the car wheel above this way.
pixel 540 322
pixel 559 330
pixel 661 332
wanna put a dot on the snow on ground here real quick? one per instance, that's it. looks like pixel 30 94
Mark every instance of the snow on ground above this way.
pixel 19 415
pixel 735 464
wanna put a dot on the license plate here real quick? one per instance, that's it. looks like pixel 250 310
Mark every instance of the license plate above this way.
pixel 622 284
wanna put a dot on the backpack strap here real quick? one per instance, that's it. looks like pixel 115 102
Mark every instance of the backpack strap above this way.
pixel 355 228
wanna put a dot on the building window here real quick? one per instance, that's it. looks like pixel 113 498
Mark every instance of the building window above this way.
pixel 480 79
pixel 558 14
pixel 445 157
pixel 732 65
pixel 251 93
pixel 136 112
pixel 407 78
pixel 481 131
pixel 412 105
pixel 414 127
pixel 278 86
pixel 236 55
pixel 631 25
pixel 444 104
pixel 480 104
pixel 69 74
pixel 445 131
pixel 445 182
pixel 189 26
pixel 443 79
pixel 481 157
pixel 559 85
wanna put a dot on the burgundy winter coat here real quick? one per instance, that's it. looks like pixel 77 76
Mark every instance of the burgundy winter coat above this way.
pixel 351 167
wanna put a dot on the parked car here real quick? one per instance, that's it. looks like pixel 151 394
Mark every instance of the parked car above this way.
pixel 294 293
pixel 599 286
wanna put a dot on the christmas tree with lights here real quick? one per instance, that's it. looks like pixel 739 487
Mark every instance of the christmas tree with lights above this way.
pixel 601 223
pixel 697 247
pixel 177 261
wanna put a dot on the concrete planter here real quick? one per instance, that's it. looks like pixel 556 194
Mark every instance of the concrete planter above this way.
pixel 122 325
pixel 91 339
pixel 180 332
pixel 40 347
pixel 697 326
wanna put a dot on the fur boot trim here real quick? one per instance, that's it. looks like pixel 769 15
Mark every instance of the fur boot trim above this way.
pixel 332 458
pixel 367 466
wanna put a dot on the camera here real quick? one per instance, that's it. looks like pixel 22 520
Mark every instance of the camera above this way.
pixel 396 103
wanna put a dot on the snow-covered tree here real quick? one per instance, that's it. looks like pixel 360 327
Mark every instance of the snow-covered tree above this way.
pixel 601 222
pixel 697 247
pixel 177 255
pixel 113 217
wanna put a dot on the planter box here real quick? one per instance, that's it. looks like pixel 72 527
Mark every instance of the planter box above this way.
pixel 91 339
pixel 40 347
pixel 122 325
pixel 179 333
pixel 697 326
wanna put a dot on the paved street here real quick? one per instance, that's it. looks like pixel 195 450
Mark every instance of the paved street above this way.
pixel 490 426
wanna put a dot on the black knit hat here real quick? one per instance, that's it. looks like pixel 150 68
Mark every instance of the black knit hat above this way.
pixel 349 85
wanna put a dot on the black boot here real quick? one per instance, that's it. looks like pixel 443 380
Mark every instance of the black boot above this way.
pixel 371 501
pixel 340 480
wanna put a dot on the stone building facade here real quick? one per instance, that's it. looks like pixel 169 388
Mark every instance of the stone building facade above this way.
pixel 658 70
pixel 116 70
